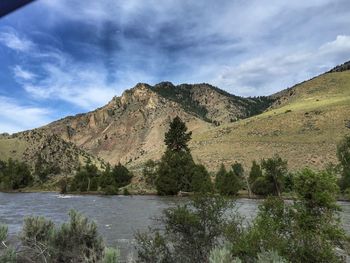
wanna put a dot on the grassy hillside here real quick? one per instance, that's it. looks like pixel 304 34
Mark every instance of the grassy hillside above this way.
pixel 303 127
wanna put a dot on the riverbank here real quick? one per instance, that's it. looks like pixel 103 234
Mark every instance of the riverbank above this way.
pixel 241 194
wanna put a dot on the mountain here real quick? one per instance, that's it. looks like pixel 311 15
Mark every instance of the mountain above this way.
pixel 302 123
pixel 131 128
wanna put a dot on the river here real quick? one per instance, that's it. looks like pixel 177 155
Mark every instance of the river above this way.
pixel 117 217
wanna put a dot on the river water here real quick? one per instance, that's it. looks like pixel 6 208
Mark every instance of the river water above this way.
pixel 118 217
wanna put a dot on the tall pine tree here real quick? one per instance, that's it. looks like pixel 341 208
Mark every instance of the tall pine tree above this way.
pixel 176 167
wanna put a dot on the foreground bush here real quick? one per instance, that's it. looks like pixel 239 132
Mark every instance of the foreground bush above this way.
pixel 75 241
pixel 190 232
pixel 7 254
pixel 305 230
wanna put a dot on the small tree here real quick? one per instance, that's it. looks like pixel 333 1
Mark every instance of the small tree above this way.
pixel 275 170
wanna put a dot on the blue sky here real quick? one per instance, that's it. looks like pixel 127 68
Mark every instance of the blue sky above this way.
pixel 62 57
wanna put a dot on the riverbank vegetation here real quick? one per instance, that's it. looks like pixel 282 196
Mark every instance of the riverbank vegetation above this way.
pixel 175 173
pixel 208 229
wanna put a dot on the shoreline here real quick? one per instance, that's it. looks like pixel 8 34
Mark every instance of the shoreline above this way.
pixel 242 195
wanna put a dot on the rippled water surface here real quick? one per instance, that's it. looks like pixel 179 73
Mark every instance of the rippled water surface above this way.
pixel 118 217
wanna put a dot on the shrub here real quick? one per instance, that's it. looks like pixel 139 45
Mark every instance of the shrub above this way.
pixel 270 256
pixel 191 231
pixel 75 241
pixel 343 154
pixel 111 255
pixel 261 186
pixel 227 183
pixel 220 255
pixel 307 230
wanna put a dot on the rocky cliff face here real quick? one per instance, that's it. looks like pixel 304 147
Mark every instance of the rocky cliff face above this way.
pixel 129 128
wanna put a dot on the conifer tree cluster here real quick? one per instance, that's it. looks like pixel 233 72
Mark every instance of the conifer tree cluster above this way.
pixel 177 170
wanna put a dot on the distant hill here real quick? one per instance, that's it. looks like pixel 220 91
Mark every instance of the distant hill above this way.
pixel 30 146
pixel 302 123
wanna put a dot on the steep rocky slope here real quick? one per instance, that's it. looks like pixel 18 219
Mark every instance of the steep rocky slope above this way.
pixel 129 128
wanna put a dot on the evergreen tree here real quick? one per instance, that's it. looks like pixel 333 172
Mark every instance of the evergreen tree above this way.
pixel 238 170
pixel 176 166
pixel 201 182
pixel 177 137
pixel 255 172
pixel 174 173
pixel 227 183
pixel 220 175
pixel 122 176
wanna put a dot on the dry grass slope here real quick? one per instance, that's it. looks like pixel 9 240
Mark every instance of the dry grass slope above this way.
pixel 304 128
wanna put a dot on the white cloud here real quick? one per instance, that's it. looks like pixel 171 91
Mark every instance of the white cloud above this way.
pixel 22 74
pixel 81 85
pixel 272 72
pixel 14 41
pixel 340 45
pixel 16 117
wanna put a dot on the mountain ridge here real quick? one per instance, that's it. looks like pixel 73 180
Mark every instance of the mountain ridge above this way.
pixel 130 128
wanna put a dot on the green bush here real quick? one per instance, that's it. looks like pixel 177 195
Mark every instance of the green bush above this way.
pixel 270 256
pixel 227 183
pixel 191 232
pixel 307 230
pixel 262 187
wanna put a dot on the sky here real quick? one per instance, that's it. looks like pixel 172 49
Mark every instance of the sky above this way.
pixel 63 57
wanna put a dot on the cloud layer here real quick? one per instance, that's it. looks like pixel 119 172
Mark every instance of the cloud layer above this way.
pixel 81 55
